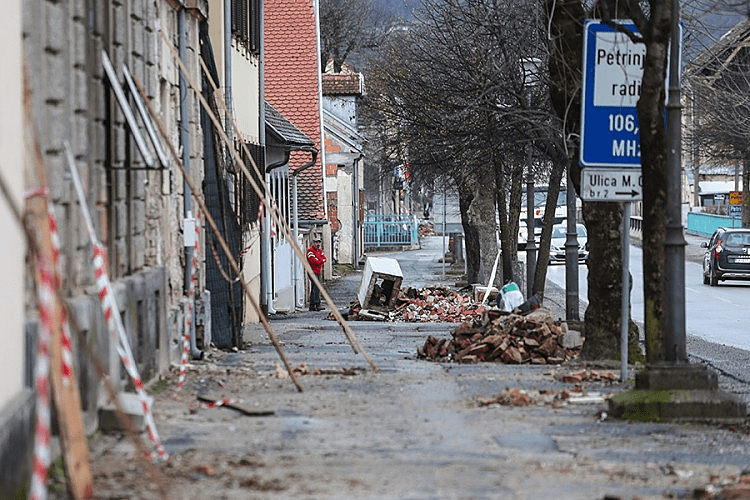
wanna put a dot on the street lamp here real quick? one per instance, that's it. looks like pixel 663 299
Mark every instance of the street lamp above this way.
pixel 530 67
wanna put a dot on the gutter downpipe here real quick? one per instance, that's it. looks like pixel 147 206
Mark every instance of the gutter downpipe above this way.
pixel 228 70
pixel 266 269
pixel 298 274
pixel 187 202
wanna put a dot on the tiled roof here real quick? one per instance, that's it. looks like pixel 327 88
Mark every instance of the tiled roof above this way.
pixel 291 86
pixel 343 84
pixel 285 131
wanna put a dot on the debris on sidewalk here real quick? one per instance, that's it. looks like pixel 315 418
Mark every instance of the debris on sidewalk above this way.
pixel 302 369
pixel 534 338
pixel 587 376
pixel 205 401
pixel 554 398
pixel 439 304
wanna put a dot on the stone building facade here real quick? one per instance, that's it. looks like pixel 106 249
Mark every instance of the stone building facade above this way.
pixel 137 204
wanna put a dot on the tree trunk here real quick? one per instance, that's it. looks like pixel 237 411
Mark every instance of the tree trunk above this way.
pixel 603 220
pixel 471 235
pixel 542 261
pixel 481 215
pixel 602 318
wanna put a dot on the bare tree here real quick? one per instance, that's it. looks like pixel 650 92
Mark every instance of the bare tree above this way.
pixel 719 107
pixel 350 28
pixel 453 81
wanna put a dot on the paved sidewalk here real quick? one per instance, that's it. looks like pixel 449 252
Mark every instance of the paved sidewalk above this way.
pixel 414 429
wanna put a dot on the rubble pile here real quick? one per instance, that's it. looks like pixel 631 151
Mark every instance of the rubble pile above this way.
pixel 436 304
pixel 534 338
pixel 421 305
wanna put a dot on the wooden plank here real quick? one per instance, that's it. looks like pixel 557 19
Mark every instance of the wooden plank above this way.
pixel 67 401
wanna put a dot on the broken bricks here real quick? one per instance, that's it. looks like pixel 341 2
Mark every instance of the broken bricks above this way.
pixel 508 338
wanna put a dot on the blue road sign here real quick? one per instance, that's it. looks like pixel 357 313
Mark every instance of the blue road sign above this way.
pixel 612 73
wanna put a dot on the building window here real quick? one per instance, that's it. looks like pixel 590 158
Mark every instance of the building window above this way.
pixel 246 23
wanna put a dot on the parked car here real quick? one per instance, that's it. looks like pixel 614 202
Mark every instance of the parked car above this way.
pixel 727 256
pixel 557 243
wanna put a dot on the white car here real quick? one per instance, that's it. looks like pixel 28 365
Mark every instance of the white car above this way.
pixel 557 243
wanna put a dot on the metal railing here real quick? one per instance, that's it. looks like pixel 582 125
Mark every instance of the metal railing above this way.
pixel 391 230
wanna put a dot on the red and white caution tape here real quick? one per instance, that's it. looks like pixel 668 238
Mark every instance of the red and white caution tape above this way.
pixel 42 434
pixel 191 302
pixel 117 332
pixel 66 340
pixel 216 404
pixel 111 311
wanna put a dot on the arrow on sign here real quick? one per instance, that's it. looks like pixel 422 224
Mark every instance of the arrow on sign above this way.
pixel 631 193
pixel 611 184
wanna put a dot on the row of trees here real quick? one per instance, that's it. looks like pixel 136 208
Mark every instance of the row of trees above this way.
pixel 448 94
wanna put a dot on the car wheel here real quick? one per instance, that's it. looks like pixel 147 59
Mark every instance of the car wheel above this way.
pixel 706 280
pixel 713 279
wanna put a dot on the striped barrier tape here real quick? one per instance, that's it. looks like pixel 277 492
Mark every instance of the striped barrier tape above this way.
pixel 66 340
pixel 191 302
pixel 117 332
pixel 110 309
pixel 43 431
pixel 216 404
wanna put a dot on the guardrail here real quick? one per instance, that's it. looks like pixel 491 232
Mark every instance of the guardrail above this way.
pixel 698 223
pixel 705 224
pixel 390 230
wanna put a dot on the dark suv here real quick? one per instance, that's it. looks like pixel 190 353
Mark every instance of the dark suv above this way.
pixel 727 256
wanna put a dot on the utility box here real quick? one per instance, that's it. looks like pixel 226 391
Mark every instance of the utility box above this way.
pixel 381 282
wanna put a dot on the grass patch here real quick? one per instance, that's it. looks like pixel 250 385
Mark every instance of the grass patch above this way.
pixel 343 269
pixel 56 476
pixel 158 386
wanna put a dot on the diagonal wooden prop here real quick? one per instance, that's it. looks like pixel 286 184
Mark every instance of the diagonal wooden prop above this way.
pixel 222 242
pixel 66 396
pixel 280 221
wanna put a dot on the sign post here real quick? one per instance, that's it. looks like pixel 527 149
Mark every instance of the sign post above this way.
pixel 735 206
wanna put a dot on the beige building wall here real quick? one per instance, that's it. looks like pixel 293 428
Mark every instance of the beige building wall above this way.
pixel 12 250
pixel 246 108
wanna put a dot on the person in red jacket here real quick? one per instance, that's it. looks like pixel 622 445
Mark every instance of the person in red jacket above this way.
pixel 316 258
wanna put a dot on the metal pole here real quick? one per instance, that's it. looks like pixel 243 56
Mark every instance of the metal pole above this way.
pixel 530 225
pixel 625 304
pixel 445 198
pixel 355 218
pixel 571 255
pixel 674 247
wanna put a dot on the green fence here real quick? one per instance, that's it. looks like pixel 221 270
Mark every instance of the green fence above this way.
pixel 391 230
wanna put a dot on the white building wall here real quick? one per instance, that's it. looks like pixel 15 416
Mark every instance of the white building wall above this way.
pixel 11 167
pixel 345 216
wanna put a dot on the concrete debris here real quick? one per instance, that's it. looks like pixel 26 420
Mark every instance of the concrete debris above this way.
pixel 556 399
pixel 587 376
pixel 302 369
pixel 535 338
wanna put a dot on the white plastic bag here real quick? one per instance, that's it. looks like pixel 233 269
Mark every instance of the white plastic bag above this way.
pixel 512 296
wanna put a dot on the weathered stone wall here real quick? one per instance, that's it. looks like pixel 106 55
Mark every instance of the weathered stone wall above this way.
pixel 137 213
